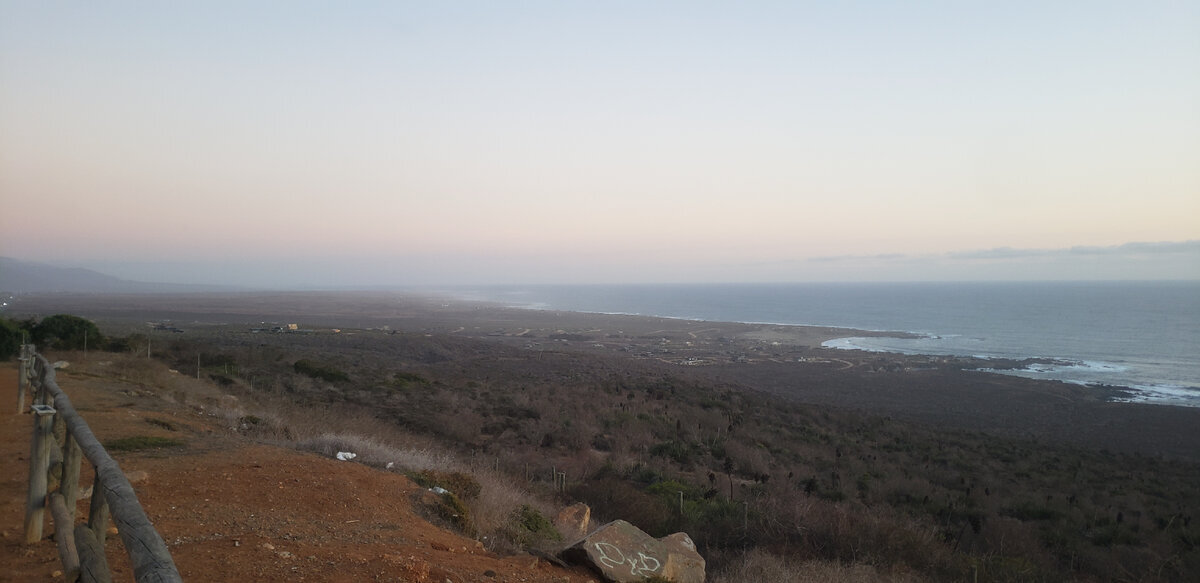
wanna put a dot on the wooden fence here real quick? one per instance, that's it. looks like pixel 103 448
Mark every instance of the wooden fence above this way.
pixel 61 439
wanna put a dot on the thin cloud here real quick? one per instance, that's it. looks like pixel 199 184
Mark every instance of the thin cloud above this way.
pixel 882 257
pixel 1128 249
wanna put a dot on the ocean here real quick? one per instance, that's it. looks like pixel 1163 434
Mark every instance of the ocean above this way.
pixel 1140 335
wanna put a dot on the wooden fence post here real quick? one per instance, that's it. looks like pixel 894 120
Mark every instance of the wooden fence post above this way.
pixel 98 511
pixel 72 456
pixel 81 547
pixel 64 535
pixel 39 465
pixel 22 380
pixel 93 565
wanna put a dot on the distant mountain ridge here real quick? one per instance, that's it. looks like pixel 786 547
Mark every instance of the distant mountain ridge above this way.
pixel 20 277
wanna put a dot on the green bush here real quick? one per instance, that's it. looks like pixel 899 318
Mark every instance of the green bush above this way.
pixel 10 339
pixel 453 510
pixel 403 380
pixel 319 371
pixel 531 528
pixel 66 332
pixel 681 453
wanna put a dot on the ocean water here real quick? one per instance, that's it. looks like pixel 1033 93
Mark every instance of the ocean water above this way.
pixel 1141 335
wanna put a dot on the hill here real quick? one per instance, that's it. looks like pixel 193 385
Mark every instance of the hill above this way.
pixel 21 277
pixel 236 509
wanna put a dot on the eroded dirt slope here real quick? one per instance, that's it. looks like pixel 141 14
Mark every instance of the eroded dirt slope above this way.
pixel 234 510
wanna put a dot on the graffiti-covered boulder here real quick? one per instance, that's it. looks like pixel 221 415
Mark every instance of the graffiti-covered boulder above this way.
pixel 622 553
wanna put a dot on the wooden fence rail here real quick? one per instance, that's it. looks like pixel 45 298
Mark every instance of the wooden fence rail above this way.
pixel 61 439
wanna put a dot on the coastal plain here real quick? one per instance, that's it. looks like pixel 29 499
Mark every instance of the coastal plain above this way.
pixel 787 361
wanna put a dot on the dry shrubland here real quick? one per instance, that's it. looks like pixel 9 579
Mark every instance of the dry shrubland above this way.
pixel 770 489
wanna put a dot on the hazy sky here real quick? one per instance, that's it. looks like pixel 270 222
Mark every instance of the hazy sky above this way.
pixel 321 143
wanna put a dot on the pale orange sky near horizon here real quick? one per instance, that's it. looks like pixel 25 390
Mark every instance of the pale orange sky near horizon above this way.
pixel 480 143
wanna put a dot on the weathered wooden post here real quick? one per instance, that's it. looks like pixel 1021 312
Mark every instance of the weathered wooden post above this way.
pixel 72 456
pixel 39 465
pixel 37 381
pixel 93 565
pixel 22 377
pixel 64 535
pixel 98 512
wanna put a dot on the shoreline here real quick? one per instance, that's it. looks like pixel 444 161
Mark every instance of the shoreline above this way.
pixel 484 317
pixel 784 360
pixel 1137 393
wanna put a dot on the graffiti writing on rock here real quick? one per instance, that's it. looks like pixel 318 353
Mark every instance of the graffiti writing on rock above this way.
pixel 639 566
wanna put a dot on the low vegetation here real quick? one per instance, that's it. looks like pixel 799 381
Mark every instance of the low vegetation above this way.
pixel 769 489
pixel 141 442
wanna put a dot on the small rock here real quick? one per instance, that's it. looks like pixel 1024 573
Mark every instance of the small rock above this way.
pixel 112 530
pixel 56 574
pixel 268 546
pixel 438 546
pixel 137 476
pixel 489 573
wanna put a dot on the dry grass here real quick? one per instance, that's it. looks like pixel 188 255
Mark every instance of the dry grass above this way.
pixel 386 446
pixel 763 567
pixel 492 511
pixel 326 431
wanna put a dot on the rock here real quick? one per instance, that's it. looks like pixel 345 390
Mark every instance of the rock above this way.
pixel 573 521
pixel 622 553
pixel 137 476
pixel 683 564
pixel 61 364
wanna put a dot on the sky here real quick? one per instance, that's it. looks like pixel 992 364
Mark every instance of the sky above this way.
pixel 313 144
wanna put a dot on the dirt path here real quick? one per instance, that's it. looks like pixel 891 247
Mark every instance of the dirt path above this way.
pixel 231 510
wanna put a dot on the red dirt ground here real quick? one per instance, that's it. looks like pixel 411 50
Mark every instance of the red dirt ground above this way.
pixel 232 510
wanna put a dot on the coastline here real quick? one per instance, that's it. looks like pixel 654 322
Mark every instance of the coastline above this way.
pixel 500 319
pixel 826 337
pixel 787 360
pixel 1140 335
